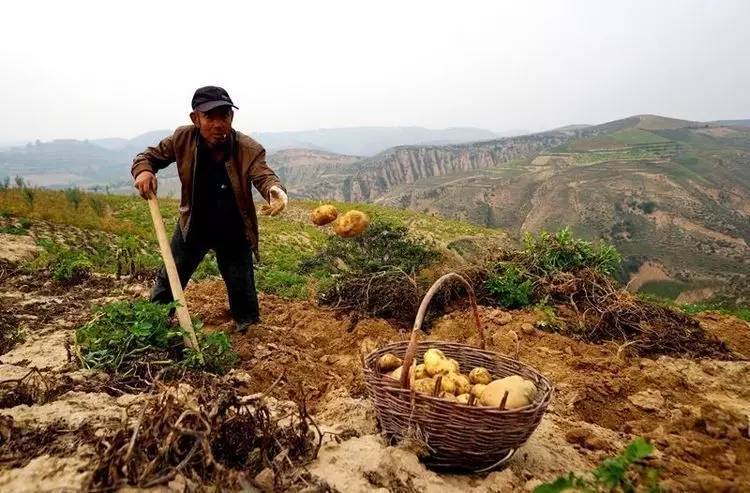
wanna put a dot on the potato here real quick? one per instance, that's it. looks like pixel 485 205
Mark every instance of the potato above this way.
pixel 447 396
pixel 396 374
pixel 323 215
pixel 477 390
pixel 447 384
pixel 351 224
pixel 389 362
pixel 455 367
pixel 463 386
pixel 420 372
pixel 424 386
pixel 435 362
pixel 446 367
pixel 480 375
pixel 463 398
pixel 433 355
pixel 520 392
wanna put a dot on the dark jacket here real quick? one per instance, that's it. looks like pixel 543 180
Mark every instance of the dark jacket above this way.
pixel 246 167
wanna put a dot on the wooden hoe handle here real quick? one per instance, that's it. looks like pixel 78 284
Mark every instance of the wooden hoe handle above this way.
pixel 183 316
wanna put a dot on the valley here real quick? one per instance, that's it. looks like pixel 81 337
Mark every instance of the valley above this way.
pixel 666 191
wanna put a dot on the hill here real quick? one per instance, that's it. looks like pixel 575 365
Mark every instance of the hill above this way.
pixel 70 162
pixel 367 141
pixel 732 123
pixel 669 193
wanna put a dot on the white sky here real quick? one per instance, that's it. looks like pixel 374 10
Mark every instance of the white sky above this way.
pixel 99 69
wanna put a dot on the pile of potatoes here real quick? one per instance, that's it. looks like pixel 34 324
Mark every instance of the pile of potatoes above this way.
pixel 477 388
pixel 350 224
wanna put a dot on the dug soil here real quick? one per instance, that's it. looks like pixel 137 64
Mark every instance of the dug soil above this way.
pixel 695 411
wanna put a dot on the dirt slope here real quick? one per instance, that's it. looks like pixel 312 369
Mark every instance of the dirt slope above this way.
pixel 695 412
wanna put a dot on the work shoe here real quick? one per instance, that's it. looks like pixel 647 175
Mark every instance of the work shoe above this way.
pixel 242 327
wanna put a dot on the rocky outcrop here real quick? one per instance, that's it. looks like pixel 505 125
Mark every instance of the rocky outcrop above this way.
pixel 373 177
pixel 298 168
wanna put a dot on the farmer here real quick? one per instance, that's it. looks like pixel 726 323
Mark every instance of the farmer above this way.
pixel 217 166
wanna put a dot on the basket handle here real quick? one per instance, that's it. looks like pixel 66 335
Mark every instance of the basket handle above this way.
pixel 411 350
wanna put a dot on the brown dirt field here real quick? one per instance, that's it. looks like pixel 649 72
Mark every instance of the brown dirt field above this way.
pixel 298 342
pixel 696 412
pixel 649 271
pixel 732 330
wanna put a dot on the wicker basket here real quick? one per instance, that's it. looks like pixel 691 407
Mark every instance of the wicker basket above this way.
pixel 458 436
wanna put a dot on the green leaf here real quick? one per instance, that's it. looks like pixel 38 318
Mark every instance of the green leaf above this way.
pixel 638 449
pixel 141 329
pixel 560 484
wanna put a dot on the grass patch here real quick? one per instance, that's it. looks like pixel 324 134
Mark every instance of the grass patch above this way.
pixel 123 337
pixel 373 273
pixel 511 288
pixel 384 245
pixel 667 289
pixel 208 268
pixel 513 282
pixel 285 240
pixel 134 257
pixel 634 136
pixel 627 472
pixel 741 312
pixel 20 227
pixel 549 253
pixel 66 265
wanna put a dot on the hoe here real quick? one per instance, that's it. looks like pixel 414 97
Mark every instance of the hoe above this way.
pixel 183 316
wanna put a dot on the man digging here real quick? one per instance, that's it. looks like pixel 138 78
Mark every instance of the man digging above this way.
pixel 217 166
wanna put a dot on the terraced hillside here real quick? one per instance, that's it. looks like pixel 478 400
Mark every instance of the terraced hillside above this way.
pixel 668 193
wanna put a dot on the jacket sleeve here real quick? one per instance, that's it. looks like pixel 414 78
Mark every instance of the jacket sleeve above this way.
pixel 262 176
pixel 154 158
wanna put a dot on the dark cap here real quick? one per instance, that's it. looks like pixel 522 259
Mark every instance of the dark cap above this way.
pixel 210 97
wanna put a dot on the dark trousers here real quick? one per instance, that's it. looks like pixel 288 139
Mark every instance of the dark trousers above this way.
pixel 234 256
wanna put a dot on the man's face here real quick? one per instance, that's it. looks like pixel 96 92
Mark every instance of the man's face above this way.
pixel 214 125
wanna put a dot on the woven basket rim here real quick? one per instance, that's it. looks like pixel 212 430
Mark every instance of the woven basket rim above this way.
pixel 542 399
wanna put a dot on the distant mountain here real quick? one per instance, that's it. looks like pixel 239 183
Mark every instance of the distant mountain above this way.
pixel 62 163
pixel 571 128
pixel 298 167
pixel 137 143
pixel 732 123
pixel 367 141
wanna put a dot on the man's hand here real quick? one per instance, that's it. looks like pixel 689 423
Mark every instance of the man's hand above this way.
pixel 145 182
pixel 278 201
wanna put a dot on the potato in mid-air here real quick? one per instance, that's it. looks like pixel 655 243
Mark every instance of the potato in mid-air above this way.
pixel 323 215
pixel 351 224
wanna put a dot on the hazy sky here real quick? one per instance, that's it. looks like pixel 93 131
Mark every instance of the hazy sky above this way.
pixel 101 69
